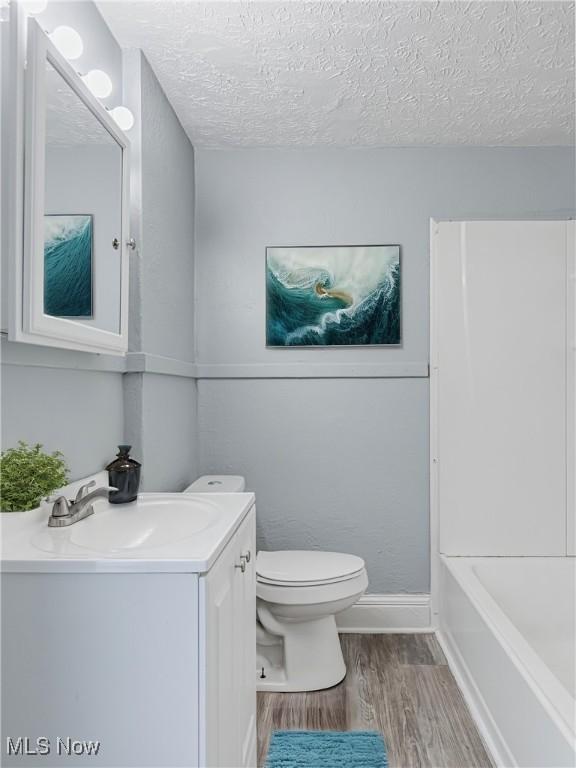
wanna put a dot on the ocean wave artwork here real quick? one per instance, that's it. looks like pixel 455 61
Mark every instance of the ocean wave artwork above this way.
pixel 68 265
pixel 333 296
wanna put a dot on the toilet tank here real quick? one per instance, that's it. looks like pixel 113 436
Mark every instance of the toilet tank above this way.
pixel 217 484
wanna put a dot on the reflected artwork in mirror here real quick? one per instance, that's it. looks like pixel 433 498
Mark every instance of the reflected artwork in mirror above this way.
pixel 68 265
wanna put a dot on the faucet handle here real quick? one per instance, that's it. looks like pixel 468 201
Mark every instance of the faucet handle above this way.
pixel 61 507
pixel 84 489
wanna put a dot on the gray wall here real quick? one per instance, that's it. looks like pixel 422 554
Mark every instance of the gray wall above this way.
pixel 83 404
pixel 160 409
pixel 77 412
pixel 338 463
pixel 167 276
pixel 46 396
pixel 169 432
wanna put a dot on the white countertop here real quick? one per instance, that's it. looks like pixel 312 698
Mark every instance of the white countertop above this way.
pixel 29 546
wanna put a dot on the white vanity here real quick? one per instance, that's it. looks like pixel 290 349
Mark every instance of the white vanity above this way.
pixel 133 628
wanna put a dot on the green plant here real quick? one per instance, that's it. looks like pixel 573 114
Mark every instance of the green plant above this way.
pixel 27 475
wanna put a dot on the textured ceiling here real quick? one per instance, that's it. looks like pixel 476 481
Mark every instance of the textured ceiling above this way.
pixel 69 122
pixel 359 73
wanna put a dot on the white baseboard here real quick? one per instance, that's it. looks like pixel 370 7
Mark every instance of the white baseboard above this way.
pixel 387 613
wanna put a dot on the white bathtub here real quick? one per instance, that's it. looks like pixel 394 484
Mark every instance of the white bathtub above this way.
pixel 507 627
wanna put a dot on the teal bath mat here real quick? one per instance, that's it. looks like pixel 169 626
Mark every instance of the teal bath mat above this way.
pixel 326 749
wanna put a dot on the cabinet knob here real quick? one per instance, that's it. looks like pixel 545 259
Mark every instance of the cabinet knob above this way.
pixel 242 565
pixel 247 556
pixel 130 243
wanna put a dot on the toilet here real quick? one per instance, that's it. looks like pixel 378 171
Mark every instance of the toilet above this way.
pixel 298 594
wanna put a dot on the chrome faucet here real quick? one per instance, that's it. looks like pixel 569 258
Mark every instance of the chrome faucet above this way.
pixel 66 512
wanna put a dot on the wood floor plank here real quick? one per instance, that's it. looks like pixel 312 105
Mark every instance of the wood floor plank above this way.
pixel 326 710
pixel 396 684
pixel 447 730
pixel 360 709
pixel 279 711
pixel 435 650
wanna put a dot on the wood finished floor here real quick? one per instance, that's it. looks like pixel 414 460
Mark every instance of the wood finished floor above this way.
pixel 396 684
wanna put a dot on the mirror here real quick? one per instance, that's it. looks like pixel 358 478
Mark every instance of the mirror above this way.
pixel 76 198
pixel 82 211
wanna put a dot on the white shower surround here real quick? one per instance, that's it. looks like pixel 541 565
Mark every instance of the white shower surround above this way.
pixel 503 570
pixel 502 386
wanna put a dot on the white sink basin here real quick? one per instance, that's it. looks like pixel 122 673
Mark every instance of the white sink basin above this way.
pixel 144 524
pixel 153 521
pixel 160 532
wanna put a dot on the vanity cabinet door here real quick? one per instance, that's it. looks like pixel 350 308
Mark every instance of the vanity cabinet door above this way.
pixel 227 656
pixel 246 628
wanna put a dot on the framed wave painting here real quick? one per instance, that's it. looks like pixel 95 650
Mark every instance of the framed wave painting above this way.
pixel 333 296
pixel 68 265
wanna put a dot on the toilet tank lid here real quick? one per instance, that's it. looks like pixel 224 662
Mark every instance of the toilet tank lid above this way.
pixel 217 484
pixel 293 566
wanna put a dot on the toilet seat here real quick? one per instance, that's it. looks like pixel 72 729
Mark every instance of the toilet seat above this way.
pixel 297 568
pixel 295 577
pixel 323 592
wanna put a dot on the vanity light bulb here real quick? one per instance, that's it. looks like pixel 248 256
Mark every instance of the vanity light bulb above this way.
pixel 99 83
pixel 34 7
pixel 123 117
pixel 68 42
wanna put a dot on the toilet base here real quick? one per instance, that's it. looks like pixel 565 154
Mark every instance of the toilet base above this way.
pixel 307 657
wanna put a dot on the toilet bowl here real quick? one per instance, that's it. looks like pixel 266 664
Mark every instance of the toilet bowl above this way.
pixel 298 595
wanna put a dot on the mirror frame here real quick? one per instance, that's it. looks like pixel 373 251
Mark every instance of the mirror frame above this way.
pixel 37 327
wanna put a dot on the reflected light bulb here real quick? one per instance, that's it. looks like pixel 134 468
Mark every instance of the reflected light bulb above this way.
pixel 34 7
pixel 99 83
pixel 123 117
pixel 68 42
